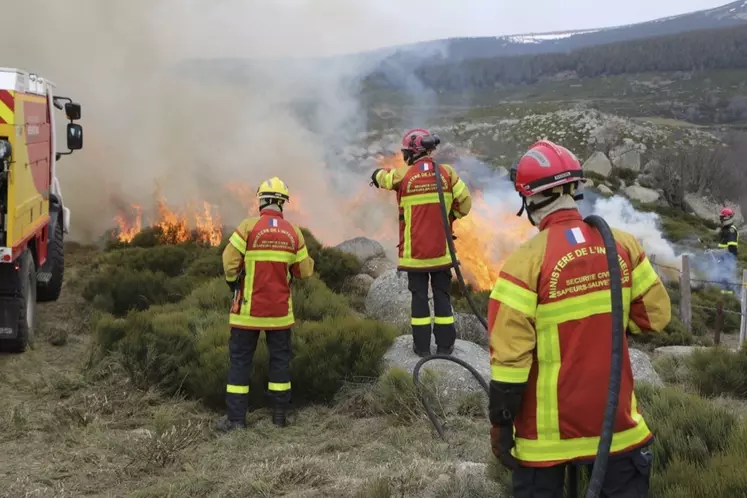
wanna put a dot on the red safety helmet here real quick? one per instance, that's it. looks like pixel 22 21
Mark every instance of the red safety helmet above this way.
pixel 419 141
pixel 726 214
pixel 545 166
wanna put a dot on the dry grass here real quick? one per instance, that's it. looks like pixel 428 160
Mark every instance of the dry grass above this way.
pixel 69 431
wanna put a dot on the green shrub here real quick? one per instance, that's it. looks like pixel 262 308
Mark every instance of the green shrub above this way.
pixel 171 260
pixel 687 427
pixel 183 346
pixel 393 395
pixel 716 371
pixel 118 290
pixel 460 303
pixel 209 265
pixel 674 334
pixel 314 301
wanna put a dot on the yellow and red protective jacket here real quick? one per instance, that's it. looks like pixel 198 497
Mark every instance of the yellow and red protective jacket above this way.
pixel 550 322
pixel 271 249
pixel 422 239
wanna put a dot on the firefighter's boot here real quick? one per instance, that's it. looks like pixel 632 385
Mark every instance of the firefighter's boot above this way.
pixel 226 425
pixel 280 410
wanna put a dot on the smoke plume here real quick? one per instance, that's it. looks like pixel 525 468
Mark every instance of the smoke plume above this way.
pixel 158 107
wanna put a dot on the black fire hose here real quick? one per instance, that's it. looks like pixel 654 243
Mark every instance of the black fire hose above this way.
pixel 618 332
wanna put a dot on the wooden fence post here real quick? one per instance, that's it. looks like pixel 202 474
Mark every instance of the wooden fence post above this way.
pixel 719 323
pixel 743 322
pixel 686 311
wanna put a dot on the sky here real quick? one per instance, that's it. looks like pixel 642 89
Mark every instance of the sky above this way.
pixel 272 28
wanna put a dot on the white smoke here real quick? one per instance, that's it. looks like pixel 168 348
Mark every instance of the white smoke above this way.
pixel 645 226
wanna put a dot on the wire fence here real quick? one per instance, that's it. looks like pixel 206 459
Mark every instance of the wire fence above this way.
pixel 728 287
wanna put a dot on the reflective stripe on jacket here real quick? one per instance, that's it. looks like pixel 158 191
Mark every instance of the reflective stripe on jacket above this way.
pixel 550 321
pixel 729 239
pixel 271 249
pixel 422 239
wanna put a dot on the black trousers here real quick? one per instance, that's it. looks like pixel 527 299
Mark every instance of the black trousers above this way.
pixel 241 347
pixel 628 476
pixel 443 328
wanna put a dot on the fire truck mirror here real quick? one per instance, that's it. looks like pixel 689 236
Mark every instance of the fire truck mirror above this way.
pixel 5 150
pixel 72 110
pixel 74 136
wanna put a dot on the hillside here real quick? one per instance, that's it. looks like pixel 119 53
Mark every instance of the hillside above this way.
pixel 693 50
pixel 463 49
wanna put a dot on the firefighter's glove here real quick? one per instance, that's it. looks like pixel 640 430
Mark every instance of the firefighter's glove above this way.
pixel 374 183
pixel 234 286
pixel 502 440
pixel 505 401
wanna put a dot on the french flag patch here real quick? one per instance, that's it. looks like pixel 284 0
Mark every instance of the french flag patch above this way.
pixel 575 236
pixel 273 223
pixel 427 166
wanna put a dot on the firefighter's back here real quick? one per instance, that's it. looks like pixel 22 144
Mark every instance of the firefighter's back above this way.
pixel 272 244
pixel 574 324
pixel 423 243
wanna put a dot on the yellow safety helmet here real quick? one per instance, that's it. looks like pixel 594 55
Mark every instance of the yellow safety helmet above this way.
pixel 274 188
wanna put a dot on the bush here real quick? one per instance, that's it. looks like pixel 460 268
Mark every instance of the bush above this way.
pixel 209 265
pixel 313 300
pixel 118 290
pixel 393 395
pixel 699 448
pixel 183 346
pixel 718 371
pixel 674 334
pixel 170 260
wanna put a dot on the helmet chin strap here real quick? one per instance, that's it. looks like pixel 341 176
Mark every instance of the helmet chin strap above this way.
pixel 549 199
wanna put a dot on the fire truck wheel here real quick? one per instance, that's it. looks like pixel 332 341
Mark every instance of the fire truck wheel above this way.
pixel 54 268
pixel 26 303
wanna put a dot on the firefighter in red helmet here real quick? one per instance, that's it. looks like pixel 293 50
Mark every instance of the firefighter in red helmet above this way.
pixel 549 319
pixel 729 243
pixel 423 251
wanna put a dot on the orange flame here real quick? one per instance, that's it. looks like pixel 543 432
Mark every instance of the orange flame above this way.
pixel 128 230
pixel 174 225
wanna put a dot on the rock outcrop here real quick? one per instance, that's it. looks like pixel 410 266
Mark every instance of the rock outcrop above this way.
pixel 362 248
pixel 642 194
pixel 389 300
pixel 599 164
pixel 709 209
pixel 643 369
pixel 453 378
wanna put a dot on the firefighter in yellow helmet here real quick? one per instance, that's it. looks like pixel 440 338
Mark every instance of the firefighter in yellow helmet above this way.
pixel 263 255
